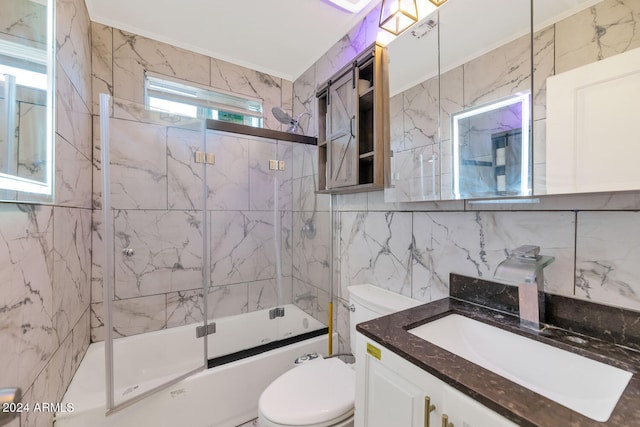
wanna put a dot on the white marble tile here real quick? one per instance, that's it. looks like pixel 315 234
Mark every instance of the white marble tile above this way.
pixel 343 327
pixel 375 247
pixel 261 179
pixel 29 243
pixel 607 253
pixel 184 175
pixel 351 202
pixel 184 308
pixel 243 247
pixel 228 179
pixel 73 117
pixel 37 393
pixel 97 255
pixel 451 98
pixel 284 152
pixel 305 161
pixel 167 249
pixel 130 317
pixel 24 20
pixel 305 197
pixel 71 267
pixel 228 300
pixel 474 243
pixel 304 100
pixel 101 62
pixel 265 294
pixel 138 166
pixel 73 44
pixel 345 50
pixel 502 72
pixel 60 370
pixel 305 296
pixel 73 184
pixel 251 83
pixel 601 31
pixel 81 336
pixel 421 114
pixel 543 67
pixel 311 238
pixel 134 54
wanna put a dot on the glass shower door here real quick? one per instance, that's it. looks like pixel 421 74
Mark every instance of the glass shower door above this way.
pixel 154 227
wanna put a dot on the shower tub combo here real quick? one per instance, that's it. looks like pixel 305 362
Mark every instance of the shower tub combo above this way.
pixel 224 395
pixel 160 378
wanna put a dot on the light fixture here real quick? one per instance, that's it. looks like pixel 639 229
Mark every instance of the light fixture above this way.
pixel 398 15
pixel 438 2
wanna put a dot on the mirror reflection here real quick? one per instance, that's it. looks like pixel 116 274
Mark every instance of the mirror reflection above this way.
pixel 26 99
pixel 491 150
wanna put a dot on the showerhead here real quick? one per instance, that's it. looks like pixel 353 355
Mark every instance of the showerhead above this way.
pixel 282 116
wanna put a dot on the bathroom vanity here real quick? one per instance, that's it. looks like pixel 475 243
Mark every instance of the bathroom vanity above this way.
pixel 409 380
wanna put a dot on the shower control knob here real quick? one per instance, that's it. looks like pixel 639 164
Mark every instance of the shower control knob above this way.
pixel 127 251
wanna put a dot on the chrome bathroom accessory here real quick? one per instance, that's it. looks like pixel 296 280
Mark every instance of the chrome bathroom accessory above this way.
pixel 128 252
pixel 9 400
pixel 284 118
pixel 524 267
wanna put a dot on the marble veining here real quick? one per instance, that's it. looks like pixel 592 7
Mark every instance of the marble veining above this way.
pixel 606 258
pixel 608 28
pixel 375 248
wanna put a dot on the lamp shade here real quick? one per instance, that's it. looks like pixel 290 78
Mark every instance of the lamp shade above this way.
pixel 398 15
pixel 438 2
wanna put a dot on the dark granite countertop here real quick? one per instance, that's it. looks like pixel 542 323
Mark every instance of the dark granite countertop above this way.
pixel 517 403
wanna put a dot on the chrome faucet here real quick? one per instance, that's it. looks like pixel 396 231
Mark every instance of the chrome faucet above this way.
pixel 524 267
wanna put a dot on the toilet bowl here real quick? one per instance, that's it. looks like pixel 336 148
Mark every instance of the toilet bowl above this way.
pixel 321 392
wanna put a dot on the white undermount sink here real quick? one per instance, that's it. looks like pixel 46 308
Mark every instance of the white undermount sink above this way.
pixel 584 385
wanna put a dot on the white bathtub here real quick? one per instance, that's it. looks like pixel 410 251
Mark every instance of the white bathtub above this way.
pixel 226 395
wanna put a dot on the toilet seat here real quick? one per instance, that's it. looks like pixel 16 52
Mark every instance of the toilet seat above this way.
pixel 319 393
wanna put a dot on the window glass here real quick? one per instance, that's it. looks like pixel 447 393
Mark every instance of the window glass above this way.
pixel 175 97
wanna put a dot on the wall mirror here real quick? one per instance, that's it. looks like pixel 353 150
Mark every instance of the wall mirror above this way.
pixel 463 56
pixel 26 100
pixel 491 149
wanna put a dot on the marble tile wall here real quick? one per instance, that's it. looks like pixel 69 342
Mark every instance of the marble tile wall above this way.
pixel 45 252
pixel 157 211
pixel 411 248
pixel 162 191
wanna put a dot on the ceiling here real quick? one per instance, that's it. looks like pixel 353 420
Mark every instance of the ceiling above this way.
pixel 279 37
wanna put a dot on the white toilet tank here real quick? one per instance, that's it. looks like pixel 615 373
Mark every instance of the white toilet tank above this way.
pixel 370 302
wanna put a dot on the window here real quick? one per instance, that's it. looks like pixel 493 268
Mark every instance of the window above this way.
pixel 190 100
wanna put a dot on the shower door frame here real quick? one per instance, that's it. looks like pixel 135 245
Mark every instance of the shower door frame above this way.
pixel 106 106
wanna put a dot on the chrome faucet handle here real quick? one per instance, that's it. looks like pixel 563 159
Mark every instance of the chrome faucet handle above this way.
pixel 527 251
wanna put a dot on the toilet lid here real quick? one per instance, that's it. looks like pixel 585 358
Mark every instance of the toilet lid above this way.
pixel 312 393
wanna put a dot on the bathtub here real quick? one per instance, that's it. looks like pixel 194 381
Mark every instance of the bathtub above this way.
pixel 226 395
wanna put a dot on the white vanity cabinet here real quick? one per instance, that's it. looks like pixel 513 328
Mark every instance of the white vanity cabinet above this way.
pixel 390 391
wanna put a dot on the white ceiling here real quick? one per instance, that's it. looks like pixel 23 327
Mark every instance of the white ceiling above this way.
pixel 280 37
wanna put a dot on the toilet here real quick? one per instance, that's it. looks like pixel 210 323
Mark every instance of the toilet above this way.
pixel 321 392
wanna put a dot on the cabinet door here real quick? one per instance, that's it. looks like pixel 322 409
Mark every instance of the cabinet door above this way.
pixel 393 392
pixel 463 411
pixel 391 399
pixel 342 135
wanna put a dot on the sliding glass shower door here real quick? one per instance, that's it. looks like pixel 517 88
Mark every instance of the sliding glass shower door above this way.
pixel 154 228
